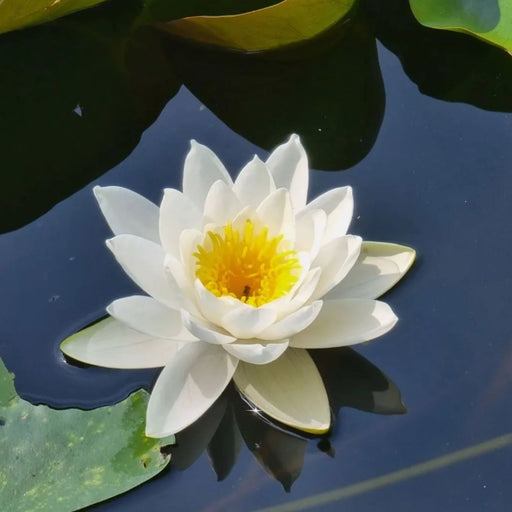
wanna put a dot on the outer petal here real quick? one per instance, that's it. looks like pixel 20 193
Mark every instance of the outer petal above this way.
pixel 177 213
pixel 288 165
pixel 205 331
pixel 338 204
pixel 254 183
pixel 289 389
pixel 246 322
pixel 221 204
pixel 346 322
pixel 149 316
pixel 256 353
pixel 187 387
pixel 336 259
pixel 276 213
pixel 128 212
pixel 293 323
pixel 379 267
pixel 112 344
pixel 202 169
pixel 143 261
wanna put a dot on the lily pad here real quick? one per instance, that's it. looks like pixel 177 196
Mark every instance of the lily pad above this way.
pixel 15 14
pixel 490 20
pixel 288 22
pixel 63 460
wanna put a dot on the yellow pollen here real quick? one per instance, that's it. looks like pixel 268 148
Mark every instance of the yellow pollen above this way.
pixel 246 265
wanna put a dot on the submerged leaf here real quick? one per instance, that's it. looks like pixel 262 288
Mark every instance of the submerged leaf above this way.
pixel 62 460
pixel 290 21
pixel 490 20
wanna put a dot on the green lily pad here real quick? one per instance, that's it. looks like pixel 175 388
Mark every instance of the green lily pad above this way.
pixel 63 460
pixel 15 14
pixel 288 22
pixel 490 20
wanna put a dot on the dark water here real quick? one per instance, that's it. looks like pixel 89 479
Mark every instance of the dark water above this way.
pixel 420 122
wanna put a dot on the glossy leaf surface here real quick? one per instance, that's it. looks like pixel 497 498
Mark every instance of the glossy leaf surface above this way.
pixel 490 20
pixel 290 21
pixel 62 460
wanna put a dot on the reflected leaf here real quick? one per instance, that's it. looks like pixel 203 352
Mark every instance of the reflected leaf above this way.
pixel 445 65
pixel 225 445
pixel 352 381
pixel 330 92
pixel 15 14
pixel 74 458
pixel 288 22
pixel 67 119
pixel 279 453
pixel 489 20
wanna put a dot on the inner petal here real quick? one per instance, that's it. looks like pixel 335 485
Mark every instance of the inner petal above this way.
pixel 246 264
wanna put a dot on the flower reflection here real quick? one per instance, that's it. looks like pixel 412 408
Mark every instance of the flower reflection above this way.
pixel 350 380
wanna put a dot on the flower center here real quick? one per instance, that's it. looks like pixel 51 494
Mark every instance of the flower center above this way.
pixel 247 265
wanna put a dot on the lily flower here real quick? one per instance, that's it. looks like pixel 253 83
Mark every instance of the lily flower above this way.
pixel 242 278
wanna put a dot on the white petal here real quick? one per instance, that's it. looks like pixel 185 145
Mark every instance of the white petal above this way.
pixel 257 353
pixel 205 331
pixel 202 169
pixel 379 267
pixel 128 212
pixel 289 389
pixel 302 294
pixel 292 323
pixel 143 261
pixel 149 316
pixel 246 322
pixel 336 259
pixel 112 344
pixel 187 387
pixel 338 204
pixel 177 213
pixel 180 274
pixel 288 165
pixel 346 322
pixel 309 231
pixel 213 308
pixel 221 205
pixel 276 213
pixel 254 183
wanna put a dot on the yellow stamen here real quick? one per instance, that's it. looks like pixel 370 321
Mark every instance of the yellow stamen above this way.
pixel 246 265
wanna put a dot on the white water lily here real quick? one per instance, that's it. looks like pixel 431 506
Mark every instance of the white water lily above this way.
pixel 242 277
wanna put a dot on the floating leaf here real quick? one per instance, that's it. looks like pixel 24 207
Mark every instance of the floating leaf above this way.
pixel 444 64
pixel 288 22
pixel 490 20
pixel 63 460
pixel 15 14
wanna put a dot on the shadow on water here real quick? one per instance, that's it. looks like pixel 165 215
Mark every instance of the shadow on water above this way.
pixel 77 94
pixel 75 97
pixel 350 380
pixel 330 92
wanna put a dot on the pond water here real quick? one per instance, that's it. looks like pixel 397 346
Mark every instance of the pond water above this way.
pixel 417 122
